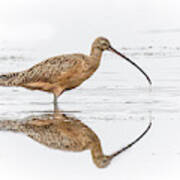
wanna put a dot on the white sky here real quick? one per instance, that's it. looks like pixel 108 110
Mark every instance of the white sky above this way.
pixel 84 19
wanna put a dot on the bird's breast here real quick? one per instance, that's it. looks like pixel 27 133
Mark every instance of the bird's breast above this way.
pixel 79 75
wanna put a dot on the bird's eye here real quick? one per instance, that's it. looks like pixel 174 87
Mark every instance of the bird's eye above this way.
pixel 105 160
pixel 104 44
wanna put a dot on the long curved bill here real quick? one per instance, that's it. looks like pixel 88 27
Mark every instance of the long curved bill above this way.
pixel 134 64
pixel 132 143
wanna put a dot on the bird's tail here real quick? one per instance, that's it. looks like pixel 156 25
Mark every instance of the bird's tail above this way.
pixel 8 125
pixel 11 79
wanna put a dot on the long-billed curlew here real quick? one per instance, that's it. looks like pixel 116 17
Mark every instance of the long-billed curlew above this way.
pixel 61 73
pixel 59 131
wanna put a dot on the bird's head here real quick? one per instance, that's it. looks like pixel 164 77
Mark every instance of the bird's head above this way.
pixel 102 161
pixel 102 44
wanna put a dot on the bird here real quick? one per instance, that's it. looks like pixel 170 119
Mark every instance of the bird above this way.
pixel 64 72
pixel 64 132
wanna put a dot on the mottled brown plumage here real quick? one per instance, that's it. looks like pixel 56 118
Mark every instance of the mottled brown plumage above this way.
pixel 59 131
pixel 61 73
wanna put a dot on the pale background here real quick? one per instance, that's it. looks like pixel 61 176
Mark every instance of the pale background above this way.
pixel 116 102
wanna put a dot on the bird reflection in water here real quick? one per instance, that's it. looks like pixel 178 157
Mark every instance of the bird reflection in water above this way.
pixel 60 131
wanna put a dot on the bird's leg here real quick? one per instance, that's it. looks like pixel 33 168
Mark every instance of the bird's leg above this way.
pixel 57 92
pixel 55 103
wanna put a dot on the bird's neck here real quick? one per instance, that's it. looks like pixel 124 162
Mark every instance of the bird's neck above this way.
pixel 96 53
pixel 96 153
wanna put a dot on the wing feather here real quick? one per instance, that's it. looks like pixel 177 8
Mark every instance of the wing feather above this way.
pixel 51 69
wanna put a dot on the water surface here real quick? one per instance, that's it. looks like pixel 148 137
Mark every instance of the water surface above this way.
pixel 116 102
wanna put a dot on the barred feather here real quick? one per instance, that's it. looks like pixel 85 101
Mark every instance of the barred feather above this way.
pixel 9 79
pixel 10 126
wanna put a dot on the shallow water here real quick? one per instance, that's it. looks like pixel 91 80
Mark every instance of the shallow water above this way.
pixel 116 102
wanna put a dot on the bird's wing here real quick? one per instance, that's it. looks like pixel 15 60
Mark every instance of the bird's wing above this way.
pixel 52 69
pixel 40 123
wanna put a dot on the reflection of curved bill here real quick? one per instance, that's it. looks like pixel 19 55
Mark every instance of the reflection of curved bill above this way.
pixel 62 132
